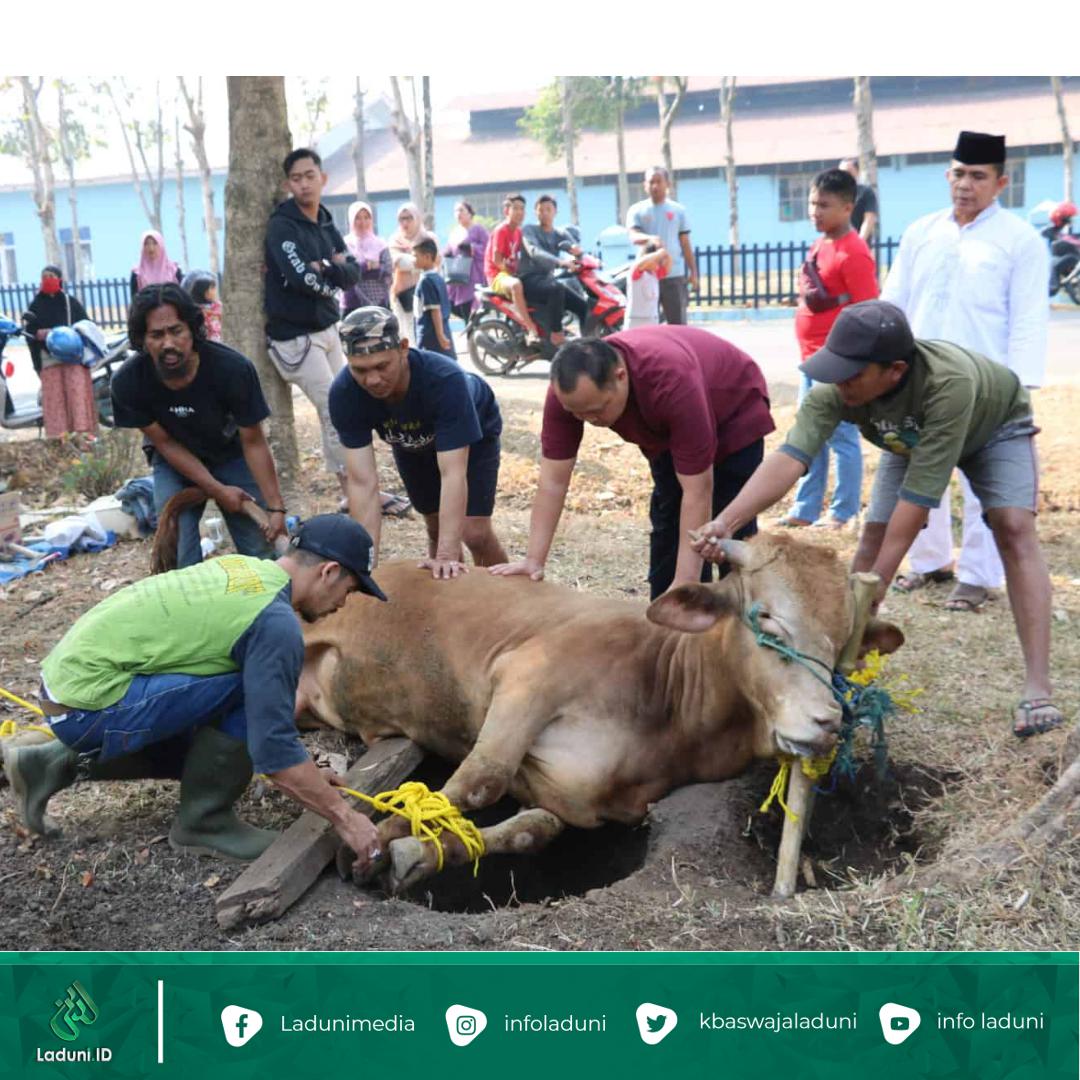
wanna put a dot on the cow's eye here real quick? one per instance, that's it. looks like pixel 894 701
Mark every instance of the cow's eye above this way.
pixel 771 626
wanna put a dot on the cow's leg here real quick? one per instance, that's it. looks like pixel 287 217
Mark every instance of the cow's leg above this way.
pixel 412 860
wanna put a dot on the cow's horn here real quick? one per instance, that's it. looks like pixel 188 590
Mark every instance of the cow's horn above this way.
pixel 737 552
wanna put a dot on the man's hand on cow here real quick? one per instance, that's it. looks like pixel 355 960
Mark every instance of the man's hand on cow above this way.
pixel 275 525
pixel 443 569
pixel 706 540
pixel 530 567
pixel 362 839
pixel 231 499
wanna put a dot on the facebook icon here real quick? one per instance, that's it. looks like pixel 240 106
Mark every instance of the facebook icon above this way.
pixel 240 1024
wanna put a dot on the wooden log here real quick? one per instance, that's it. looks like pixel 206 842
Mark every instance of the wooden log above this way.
pixel 284 872
pixel 800 793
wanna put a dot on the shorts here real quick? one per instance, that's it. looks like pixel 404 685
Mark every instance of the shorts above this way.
pixel 423 482
pixel 1002 473
pixel 503 283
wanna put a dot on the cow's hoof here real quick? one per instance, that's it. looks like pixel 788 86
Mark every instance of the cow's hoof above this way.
pixel 408 863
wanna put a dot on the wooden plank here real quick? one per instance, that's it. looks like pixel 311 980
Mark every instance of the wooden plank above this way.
pixel 285 871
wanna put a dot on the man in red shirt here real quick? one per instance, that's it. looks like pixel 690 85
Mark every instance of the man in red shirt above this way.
pixel 501 259
pixel 839 271
pixel 696 405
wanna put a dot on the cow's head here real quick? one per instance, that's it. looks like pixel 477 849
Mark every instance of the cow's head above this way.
pixel 801 595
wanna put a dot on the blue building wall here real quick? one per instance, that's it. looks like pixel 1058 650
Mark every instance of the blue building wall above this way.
pixel 116 219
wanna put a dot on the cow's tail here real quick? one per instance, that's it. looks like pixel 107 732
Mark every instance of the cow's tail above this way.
pixel 167 537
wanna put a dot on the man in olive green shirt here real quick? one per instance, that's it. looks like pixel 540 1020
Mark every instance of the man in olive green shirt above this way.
pixel 931 406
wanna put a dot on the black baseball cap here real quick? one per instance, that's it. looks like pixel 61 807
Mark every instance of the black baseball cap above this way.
pixel 872 331
pixel 339 538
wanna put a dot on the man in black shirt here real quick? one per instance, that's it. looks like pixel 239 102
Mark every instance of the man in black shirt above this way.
pixel 307 267
pixel 200 406
pixel 865 216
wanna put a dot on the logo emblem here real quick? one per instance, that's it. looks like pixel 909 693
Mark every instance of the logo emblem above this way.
pixel 75 1008
pixel 898 1022
pixel 655 1022
pixel 240 1025
pixel 464 1024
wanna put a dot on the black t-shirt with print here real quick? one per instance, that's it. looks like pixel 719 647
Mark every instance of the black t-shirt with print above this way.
pixel 205 416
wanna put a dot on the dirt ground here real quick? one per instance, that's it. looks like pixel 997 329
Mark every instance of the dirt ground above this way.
pixel 697 873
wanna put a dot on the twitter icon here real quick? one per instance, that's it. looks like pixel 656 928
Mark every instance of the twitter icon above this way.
pixel 655 1022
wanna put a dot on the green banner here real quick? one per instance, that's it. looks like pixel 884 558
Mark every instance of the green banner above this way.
pixel 201 1016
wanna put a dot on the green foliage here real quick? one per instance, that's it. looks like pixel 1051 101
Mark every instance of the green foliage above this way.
pixel 104 465
pixel 593 105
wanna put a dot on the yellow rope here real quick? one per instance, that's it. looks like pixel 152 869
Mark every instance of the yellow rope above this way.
pixel 815 768
pixel 19 701
pixel 429 813
pixel 10 727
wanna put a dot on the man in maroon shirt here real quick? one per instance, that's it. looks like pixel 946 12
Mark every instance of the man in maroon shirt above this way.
pixel 696 405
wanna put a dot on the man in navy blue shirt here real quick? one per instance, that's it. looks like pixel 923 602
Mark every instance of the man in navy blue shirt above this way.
pixel 443 426
pixel 431 306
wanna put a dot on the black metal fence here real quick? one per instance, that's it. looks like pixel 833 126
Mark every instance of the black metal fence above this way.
pixel 106 300
pixel 750 275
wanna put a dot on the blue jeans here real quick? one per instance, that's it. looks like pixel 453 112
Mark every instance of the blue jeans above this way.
pixel 810 493
pixel 246 535
pixel 155 708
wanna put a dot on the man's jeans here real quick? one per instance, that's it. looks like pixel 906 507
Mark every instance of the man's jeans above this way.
pixel 810 493
pixel 555 297
pixel 247 536
pixel 155 708
pixel 674 299
pixel 665 508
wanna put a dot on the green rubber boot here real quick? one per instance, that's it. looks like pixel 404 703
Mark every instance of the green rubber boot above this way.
pixel 36 773
pixel 216 773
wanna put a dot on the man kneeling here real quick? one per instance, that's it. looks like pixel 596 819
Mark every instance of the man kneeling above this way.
pixel 212 654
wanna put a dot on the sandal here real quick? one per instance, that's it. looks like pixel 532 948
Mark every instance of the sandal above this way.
pixel 395 505
pixel 789 522
pixel 913 581
pixel 1034 716
pixel 969 598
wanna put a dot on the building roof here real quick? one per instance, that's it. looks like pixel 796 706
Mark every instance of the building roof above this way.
pixel 765 137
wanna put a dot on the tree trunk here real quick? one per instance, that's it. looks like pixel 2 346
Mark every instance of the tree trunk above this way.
pixel 181 217
pixel 1067 148
pixel 148 206
pixel 358 144
pixel 429 159
pixel 623 184
pixel 196 128
pixel 37 149
pixel 67 153
pixel 727 116
pixel 864 123
pixel 568 143
pixel 258 141
pixel 408 134
pixel 667 118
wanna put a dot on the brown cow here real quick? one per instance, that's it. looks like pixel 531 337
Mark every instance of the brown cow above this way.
pixel 584 709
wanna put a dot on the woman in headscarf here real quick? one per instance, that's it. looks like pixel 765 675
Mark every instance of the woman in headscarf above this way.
pixel 371 252
pixel 154 266
pixel 67 390
pixel 466 238
pixel 410 231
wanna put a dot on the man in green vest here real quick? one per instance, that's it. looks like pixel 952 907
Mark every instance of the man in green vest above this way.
pixel 213 653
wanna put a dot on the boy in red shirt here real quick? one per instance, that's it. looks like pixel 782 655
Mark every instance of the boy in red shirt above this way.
pixel 839 271
pixel 501 258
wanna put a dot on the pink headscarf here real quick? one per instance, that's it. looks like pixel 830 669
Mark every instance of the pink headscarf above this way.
pixel 154 271
pixel 364 245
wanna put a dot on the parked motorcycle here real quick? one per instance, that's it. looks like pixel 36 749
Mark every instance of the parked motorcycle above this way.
pixel 108 354
pixel 497 336
pixel 1064 252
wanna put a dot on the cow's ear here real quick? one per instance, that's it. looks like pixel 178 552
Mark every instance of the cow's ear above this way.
pixel 882 636
pixel 690 608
